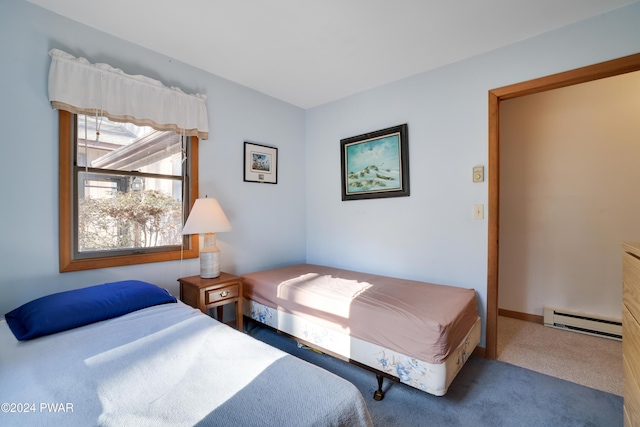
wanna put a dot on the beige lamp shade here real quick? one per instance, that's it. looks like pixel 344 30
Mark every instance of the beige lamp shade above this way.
pixel 207 218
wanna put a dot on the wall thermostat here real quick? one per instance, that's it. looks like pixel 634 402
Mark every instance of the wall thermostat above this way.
pixel 478 174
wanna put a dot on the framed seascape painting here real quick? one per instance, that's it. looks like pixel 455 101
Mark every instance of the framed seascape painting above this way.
pixel 376 164
pixel 260 163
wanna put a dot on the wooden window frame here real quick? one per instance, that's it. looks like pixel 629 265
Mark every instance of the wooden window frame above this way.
pixel 66 200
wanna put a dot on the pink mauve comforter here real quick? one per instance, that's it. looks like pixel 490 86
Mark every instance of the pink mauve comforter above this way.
pixel 418 319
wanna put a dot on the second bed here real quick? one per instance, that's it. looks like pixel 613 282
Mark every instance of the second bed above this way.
pixel 417 333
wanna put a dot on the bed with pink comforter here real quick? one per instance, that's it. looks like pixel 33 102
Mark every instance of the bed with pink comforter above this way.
pixel 415 332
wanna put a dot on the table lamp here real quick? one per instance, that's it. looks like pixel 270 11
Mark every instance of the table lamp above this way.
pixel 206 217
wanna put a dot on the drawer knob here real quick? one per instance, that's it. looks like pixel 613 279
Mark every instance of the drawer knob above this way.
pixel 224 293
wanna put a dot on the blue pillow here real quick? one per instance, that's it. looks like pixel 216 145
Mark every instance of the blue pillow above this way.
pixel 71 309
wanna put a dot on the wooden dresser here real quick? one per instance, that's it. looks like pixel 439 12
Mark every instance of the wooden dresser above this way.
pixel 631 332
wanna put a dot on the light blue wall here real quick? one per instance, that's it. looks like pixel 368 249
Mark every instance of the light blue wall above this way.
pixel 265 232
pixel 431 235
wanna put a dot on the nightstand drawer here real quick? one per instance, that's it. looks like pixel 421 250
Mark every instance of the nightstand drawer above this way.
pixel 221 294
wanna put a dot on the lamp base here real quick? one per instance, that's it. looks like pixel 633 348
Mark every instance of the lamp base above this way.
pixel 209 257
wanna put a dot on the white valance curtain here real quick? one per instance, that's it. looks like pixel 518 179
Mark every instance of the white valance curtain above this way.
pixel 80 87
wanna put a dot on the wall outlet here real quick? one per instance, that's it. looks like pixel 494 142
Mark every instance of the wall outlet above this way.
pixel 478 211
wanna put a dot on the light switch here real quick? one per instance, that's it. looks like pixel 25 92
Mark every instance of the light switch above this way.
pixel 478 211
pixel 478 174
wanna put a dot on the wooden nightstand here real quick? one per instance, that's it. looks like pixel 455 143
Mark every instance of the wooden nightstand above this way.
pixel 208 293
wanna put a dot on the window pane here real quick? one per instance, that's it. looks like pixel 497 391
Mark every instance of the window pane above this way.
pixel 127 147
pixel 140 208
pixel 123 211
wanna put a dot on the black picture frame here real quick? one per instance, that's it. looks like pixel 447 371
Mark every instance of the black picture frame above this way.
pixel 260 163
pixel 376 164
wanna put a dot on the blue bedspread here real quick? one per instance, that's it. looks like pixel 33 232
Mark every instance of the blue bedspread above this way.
pixel 166 365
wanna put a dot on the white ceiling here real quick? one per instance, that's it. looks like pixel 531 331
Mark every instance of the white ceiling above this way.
pixel 309 52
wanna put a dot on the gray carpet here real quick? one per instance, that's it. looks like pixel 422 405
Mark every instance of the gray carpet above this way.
pixel 485 393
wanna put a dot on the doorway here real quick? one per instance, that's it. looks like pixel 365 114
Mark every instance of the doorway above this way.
pixel 594 72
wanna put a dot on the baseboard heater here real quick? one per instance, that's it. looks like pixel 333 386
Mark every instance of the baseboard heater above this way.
pixel 583 323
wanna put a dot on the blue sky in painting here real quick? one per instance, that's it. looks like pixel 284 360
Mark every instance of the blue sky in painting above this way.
pixel 381 152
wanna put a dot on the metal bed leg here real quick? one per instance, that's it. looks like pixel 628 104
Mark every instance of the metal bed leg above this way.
pixel 379 394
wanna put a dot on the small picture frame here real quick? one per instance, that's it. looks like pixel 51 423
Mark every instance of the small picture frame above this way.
pixel 376 164
pixel 260 163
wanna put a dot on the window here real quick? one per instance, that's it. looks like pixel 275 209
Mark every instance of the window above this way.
pixel 125 191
